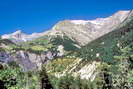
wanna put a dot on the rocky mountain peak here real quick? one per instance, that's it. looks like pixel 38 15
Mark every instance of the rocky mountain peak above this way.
pixel 17 32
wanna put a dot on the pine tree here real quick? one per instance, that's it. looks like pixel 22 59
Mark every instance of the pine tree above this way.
pixel 44 80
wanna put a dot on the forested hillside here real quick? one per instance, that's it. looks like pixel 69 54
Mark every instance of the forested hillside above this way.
pixel 109 45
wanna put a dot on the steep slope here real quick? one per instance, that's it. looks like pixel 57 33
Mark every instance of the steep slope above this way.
pixel 109 45
pixel 74 66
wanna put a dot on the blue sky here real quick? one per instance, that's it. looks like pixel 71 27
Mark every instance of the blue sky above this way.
pixel 40 15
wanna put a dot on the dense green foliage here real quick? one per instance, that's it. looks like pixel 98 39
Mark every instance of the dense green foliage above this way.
pixel 110 44
pixel 14 78
pixel 119 74
pixel 70 82
pixel 66 42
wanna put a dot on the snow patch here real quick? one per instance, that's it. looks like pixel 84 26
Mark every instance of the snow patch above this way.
pixel 98 21
pixel 79 22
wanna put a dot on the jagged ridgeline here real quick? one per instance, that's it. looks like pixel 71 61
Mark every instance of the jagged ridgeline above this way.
pixel 105 47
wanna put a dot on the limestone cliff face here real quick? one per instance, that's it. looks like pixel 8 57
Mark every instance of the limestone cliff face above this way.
pixel 28 61
pixel 88 71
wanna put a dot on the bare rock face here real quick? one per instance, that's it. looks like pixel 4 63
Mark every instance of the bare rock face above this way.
pixel 61 50
pixel 4 57
pixel 28 61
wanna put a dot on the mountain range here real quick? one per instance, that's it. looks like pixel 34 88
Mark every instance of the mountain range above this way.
pixel 80 31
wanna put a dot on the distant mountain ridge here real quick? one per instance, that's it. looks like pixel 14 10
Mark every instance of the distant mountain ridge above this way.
pixel 80 31
pixel 19 36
